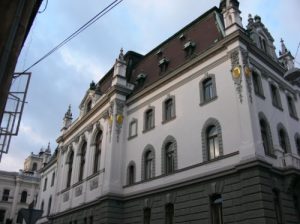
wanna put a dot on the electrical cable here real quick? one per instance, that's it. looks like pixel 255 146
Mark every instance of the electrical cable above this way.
pixel 44 7
pixel 78 31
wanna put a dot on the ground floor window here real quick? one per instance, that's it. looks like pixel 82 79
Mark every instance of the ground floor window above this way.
pixel 216 209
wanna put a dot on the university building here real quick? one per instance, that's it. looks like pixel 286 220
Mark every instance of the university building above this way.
pixel 202 129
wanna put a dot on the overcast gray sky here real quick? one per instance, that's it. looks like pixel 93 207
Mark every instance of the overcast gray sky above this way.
pixel 64 77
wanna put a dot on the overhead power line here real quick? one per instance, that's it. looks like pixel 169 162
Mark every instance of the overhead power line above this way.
pixel 78 31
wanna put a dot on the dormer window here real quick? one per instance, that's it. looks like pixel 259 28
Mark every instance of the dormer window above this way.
pixel 189 48
pixel 163 64
pixel 159 52
pixel 141 78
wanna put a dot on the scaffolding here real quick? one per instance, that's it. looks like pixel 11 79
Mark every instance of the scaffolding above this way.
pixel 13 110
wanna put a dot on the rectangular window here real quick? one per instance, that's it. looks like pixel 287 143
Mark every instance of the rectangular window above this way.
pixel 291 106
pixel 216 209
pixel 149 119
pixel 53 179
pixel 257 86
pixel 169 109
pixel 2 215
pixel 45 184
pixel 133 128
pixel 5 195
pixel 147 215
pixel 169 214
pixel 275 96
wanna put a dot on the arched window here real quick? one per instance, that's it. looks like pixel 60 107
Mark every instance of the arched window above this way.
pixel 70 167
pixel 97 153
pixel 148 163
pixel 49 205
pixel 207 89
pixel 147 215
pixel 23 197
pixel 169 213
pixel 34 166
pixel 283 138
pixel 265 132
pixel 297 142
pixel 212 145
pixel 170 158
pixel 82 161
pixel 131 173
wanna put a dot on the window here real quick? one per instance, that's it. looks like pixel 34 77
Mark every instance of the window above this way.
pixel 53 179
pixel 82 161
pixel 5 195
pixel 149 119
pixel 266 136
pixel 212 142
pixel 169 209
pixel 45 184
pixel 42 206
pixel 257 85
pixel 163 64
pixel 131 173
pixel 291 106
pixel 97 154
pixel 189 48
pixel 19 217
pixel 283 139
pixel 91 220
pixel 148 165
pixel 297 142
pixel 147 215
pixel 277 207
pixel 169 109
pixel 275 96
pixel 34 166
pixel 2 215
pixel 296 205
pixel 263 44
pixel 170 158
pixel 23 197
pixel 216 209
pixel 207 89
pixel 133 128
pixel 70 166
pixel 49 205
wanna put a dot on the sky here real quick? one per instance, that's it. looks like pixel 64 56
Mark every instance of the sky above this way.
pixel 63 78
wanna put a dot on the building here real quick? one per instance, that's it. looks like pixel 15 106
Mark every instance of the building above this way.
pixel 16 18
pixel 202 129
pixel 19 189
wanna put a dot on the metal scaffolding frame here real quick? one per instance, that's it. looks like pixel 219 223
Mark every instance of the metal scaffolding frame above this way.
pixel 13 110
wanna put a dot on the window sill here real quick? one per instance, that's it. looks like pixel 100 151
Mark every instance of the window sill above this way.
pixel 147 130
pixel 167 121
pixel 208 101
pixel 260 95
pixel 271 155
pixel 278 107
pixel 294 117
pixel 131 137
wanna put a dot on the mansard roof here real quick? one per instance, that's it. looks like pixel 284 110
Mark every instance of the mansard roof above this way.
pixel 203 32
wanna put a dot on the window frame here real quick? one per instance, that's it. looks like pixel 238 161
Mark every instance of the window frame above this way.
pixel 149 121
pixel 97 151
pixel 82 154
pixel 275 96
pixel 148 171
pixel 257 84
pixel 216 208
pixel 213 89
pixel 24 195
pixel 291 107
pixel 147 215
pixel 70 162
pixel 131 174
pixel 297 143
pixel 53 179
pixel 205 150
pixel 269 151
pixel 5 194
pixel 283 138
pixel 169 140
pixel 45 184
pixel 133 131
pixel 168 110
pixel 169 213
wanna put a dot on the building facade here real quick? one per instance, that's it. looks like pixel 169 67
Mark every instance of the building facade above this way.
pixel 202 129
pixel 19 189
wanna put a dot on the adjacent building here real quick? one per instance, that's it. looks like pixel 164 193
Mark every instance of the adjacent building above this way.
pixel 202 129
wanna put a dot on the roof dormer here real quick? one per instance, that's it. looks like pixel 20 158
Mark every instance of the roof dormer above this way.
pixel 89 99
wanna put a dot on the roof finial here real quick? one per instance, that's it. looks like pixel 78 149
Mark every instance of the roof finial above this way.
pixel 121 55
pixel 68 114
pixel 283 47
pixel 48 148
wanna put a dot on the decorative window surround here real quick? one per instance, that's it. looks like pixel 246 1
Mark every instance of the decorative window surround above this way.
pixel 283 138
pixel 268 145
pixel 172 140
pixel 275 96
pixel 168 109
pixel 204 98
pixel 148 148
pixel 133 128
pixel 149 119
